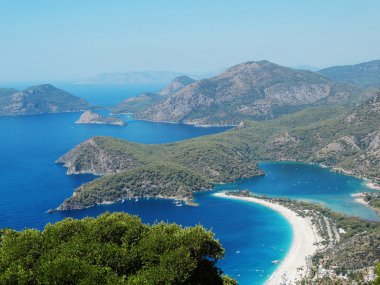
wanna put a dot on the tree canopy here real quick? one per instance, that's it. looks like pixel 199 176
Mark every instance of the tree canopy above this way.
pixel 110 249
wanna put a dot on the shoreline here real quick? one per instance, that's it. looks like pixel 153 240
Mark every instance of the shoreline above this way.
pixel 178 123
pixel 372 185
pixel 303 246
pixel 186 201
pixel 359 198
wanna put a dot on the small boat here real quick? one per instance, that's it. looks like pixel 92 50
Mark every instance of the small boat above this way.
pixel 276 261
pixel 137 199
pixel 178 203
pixel 50 211
pixel 122 200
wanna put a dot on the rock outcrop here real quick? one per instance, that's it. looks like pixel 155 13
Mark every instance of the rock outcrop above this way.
pixel 89 117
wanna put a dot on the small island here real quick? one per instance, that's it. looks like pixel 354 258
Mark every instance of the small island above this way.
pixel 89 117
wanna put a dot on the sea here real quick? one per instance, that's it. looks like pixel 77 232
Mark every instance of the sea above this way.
pixel 252 235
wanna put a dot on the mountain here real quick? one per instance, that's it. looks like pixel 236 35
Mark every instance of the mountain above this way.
pixel 145 100
pixel 346 139
pixel 252 90
pixel 365 74
pixel 89 117
pixel 134 77
pixel 39 99
pixel 176 85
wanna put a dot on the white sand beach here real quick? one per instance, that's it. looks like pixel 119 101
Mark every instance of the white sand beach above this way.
pixel 304 243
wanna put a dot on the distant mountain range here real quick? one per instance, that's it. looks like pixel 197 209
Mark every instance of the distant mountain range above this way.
pixel 138 77
pixel 366 74
pixel 39 99
pixel 252 90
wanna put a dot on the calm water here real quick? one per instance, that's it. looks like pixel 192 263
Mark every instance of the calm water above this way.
pixel 253 236
pixel 310 183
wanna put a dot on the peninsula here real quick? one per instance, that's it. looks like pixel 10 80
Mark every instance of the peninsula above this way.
pixel 89 117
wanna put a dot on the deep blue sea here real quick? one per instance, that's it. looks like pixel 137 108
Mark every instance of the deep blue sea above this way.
pixel 253 236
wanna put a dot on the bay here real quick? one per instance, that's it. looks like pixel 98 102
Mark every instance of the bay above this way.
pixel 253 236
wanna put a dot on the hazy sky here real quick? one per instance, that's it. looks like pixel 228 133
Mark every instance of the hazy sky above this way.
pixel 73 39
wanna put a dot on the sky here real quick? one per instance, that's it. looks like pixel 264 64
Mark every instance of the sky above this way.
pixel 75 39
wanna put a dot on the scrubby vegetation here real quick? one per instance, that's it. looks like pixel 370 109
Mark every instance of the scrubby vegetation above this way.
pixel 111 249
